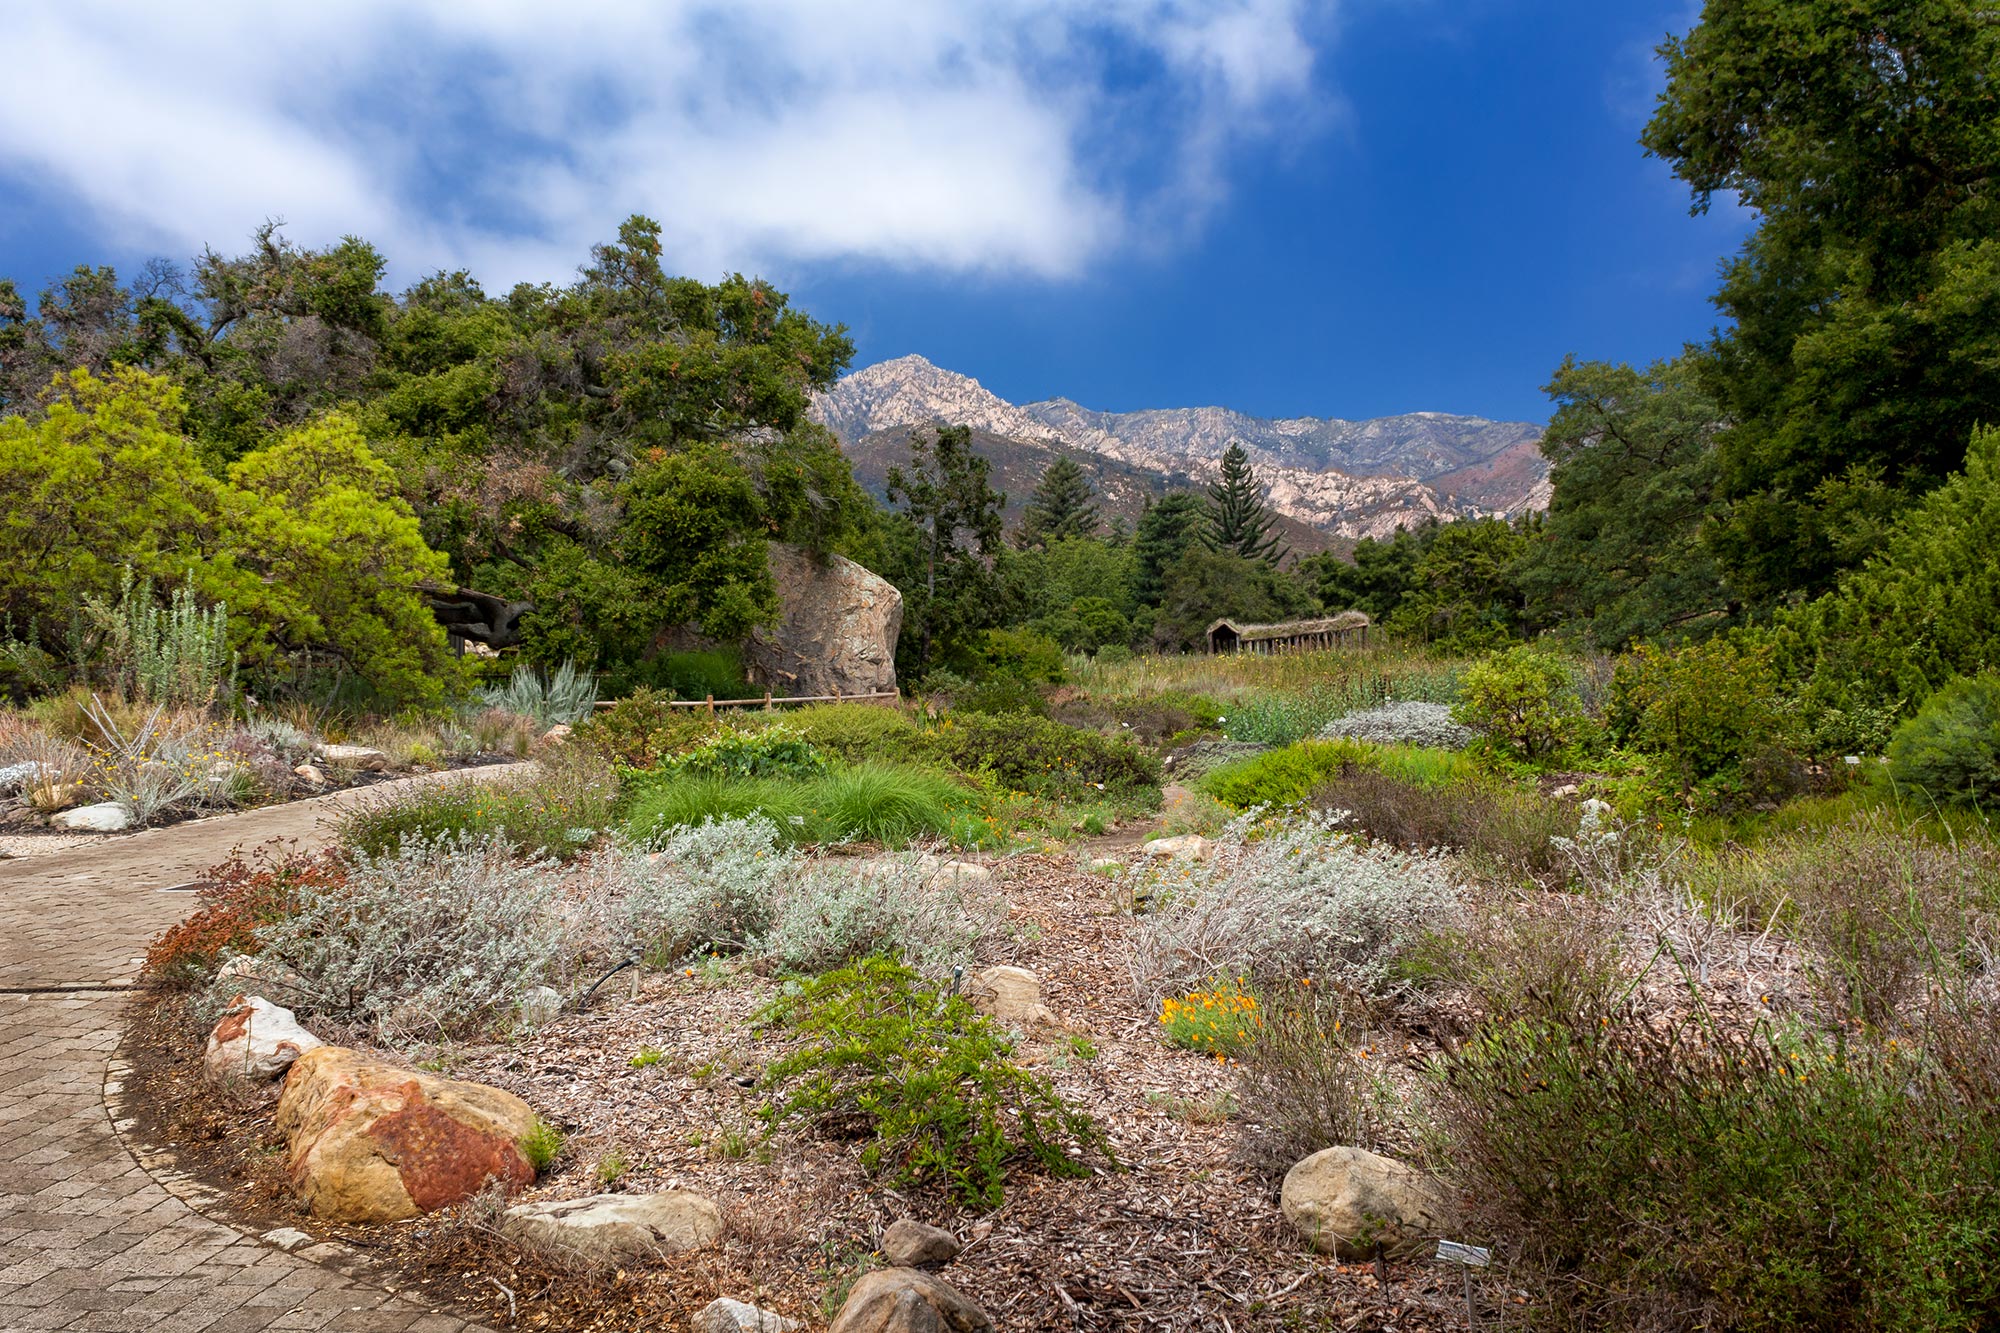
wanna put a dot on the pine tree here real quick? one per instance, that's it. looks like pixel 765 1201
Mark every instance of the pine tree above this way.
pixel 1238 522
pixel 1063 505
pixel 1166 530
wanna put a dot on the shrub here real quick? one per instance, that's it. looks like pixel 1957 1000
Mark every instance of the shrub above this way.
pixel 236 897
pixel 874 802
pixel 563 697
pixel 1302 902
pixel 1498 827
pixel 1041 757
pixel 904 907
pixel 173 657
pixel 640 730
pixel 1402 724
pixel 856 732
pixel 776 751
pixel 1220 1019
pixel 1020 654
pixel 715 673
pixel 1647 1175
pixel 709 888
pixel 1287 777
pixel 1706 711
pixel 1950 750
pixel 654 809
pixel 442 935
pixel 930 1082
pixel 1524 703
pixel 1309 1081
pixel 162 764
pixel 1000 694
pixel 553 810
pixel 541 1145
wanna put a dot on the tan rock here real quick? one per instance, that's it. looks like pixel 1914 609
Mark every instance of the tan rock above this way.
pixel 1188 845
pixel 836 631
pixel 906 1300
pixel 908 1244
pixel 371 1142
pixel 723 1315
pixel 253 1043
pixel 613 1228
pixel 1349 1201
pixel 1010 994
pixel 354 756
pixel 311 773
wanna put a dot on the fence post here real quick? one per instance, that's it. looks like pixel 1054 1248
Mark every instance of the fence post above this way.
pixel 711 705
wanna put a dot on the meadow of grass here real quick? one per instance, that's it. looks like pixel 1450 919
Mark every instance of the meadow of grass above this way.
pixel 889 804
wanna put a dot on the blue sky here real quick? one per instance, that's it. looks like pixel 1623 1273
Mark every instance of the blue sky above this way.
pixel 1349 207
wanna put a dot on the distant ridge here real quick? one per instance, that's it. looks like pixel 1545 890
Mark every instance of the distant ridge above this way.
pixel 1346 479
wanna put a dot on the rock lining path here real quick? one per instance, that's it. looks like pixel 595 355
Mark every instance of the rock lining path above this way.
pixel 88 1239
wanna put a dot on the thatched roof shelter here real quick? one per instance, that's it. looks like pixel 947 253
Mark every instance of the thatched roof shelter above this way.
pixel 1348 629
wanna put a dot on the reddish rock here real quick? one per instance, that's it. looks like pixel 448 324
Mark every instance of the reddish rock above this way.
pixel 372 1142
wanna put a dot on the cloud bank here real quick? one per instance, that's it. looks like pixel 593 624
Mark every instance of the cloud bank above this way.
pixel 1018 136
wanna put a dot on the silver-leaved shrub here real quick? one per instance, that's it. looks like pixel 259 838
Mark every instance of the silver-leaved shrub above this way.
pixel 704 889
pixel 1407 723
pixel 909 906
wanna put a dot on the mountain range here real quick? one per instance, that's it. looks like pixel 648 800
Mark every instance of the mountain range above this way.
pixel 1332 481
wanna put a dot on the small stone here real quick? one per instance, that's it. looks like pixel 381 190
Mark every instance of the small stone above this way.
pixel 1010 994
pixel 1187 845
pixel 1102 863
pixel 254 1042
pixel 1568 789
pixel 908 1244
pixel 287 1238
pixel 557 734
pixel 907 1300
pixel 611 1228
pixel 1350 1202
pixel 13 777
pixel 354 756
pixel 249 974
pixel 311 774
pixel 726 1316
pixel 105 817
pixel 540 1006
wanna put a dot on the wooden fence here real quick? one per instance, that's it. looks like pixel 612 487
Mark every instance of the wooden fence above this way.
pixel 711 703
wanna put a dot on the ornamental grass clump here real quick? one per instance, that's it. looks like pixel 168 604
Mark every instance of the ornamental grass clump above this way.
pixel 1221 1019
pixel 1301 899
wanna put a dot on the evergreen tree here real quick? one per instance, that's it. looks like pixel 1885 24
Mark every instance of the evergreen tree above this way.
pixel 1166 530
pixel 1062 506
pixel 950 520
pixel 1238 522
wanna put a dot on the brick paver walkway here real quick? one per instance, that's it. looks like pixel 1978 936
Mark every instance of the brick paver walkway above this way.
pixel 89 1240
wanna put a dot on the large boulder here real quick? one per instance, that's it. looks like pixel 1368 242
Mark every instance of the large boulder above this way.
pixel 104 817
pixel 1350 1202
pixel 613 1228
pixel 905 1300
pixel 371 1142
pixel 836 631
pixel 253 1043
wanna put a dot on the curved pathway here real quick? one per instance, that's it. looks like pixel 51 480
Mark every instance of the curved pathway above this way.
pixel 89 1240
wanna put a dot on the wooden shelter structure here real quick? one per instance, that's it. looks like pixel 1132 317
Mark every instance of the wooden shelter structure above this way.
pixel 1349 629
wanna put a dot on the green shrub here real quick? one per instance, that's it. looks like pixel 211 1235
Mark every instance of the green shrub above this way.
pixel 1021 654
pixel 1644 1175
pixel 1287 777
pixel 1524 705
pixel 775 751
pixel 1950 750
pixel 541 1145
pixel 1707 713
pixel 854 732
pixel 1035 755
pixel 640 730
pixel 1000 694
pixel 1220 1019
pixel 655 807
pixel 556 809
pixel 715 673
pixel 930 1081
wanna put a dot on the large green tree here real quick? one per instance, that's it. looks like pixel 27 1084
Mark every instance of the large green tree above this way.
pixel 1864 336
pixel 1238 520
pixel 945 528
pixel 1062 506
pixel 1167 528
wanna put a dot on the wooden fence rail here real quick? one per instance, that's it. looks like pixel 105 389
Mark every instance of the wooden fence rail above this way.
pixel 711 703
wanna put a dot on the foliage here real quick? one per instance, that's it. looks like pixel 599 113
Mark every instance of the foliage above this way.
pixel 1036 755
pixel 1707 711
pixel 856 732
pixel 883 803
pixel 930 1081
pixel 236 897
pixel 1465 592
pixel 1524 704
pixel 1204 585
pixel 909 907
pixel 775 751
pixel 1076 591
pixel 1167 530
pixel 1860 340
pixel 1220 1018
pixel 441 935
pixel 1286 777
pixel 1402 723
pixel 1950 750
pixel 949 518
pixel 1378 577
pixel 1633 480
pixel 1308 1077
pixel 1019 654
pixel 160 764
pixel 1784 1181
pixel 542 1144
pixel 1301 902
pixel 706 888
pixel 1500 828
pixel 693 530
pixel 178 657
pixel 1062 507
pixel 1238 521
pixel 554 811
pixel 562 697
pixel 641 729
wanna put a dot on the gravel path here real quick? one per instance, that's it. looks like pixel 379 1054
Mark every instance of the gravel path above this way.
pixel 88 1239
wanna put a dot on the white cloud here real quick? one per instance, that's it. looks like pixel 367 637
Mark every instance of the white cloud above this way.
pixel 1011 135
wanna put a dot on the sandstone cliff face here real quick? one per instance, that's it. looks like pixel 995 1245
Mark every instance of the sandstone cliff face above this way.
pixel 836 632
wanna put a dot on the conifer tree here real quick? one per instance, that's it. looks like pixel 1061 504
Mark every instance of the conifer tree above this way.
pixel 1238 522
pixel 1063 505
